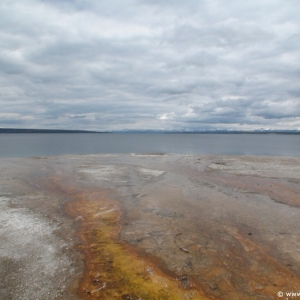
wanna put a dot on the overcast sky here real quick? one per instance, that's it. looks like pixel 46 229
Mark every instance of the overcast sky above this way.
pixel 150 64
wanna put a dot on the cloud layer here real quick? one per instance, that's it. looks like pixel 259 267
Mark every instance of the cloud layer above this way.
pixel 147 64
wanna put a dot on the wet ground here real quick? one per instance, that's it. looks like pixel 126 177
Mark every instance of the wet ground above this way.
pixel 149 227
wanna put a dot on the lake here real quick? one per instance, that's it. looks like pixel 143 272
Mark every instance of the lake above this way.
pixel 36 144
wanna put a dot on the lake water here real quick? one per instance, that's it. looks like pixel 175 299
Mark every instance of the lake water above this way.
pixel 28 145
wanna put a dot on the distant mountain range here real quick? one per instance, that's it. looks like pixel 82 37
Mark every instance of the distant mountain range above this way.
pixel 242 132
pixel 260 131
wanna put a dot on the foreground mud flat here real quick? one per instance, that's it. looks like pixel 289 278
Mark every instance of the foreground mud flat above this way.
pixel 149 227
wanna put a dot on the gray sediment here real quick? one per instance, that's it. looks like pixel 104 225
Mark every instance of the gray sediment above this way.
pixel 228 223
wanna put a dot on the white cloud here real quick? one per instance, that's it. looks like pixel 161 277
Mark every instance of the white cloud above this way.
pixel 149 64
pixel 166 116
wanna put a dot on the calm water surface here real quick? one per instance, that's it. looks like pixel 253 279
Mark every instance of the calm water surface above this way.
pixel 28 145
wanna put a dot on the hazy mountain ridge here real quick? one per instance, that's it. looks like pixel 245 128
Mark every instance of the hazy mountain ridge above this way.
pixel 259 131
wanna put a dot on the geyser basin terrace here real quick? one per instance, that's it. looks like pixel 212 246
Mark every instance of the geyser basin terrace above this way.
pixel 149 226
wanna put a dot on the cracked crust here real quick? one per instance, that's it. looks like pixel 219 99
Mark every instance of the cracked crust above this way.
pixel 198 227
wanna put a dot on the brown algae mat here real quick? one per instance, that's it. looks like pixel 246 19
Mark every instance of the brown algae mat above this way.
pixel 149 227
pixel 114 271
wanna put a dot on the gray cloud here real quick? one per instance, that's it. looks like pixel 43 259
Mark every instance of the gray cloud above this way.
pixel 143 64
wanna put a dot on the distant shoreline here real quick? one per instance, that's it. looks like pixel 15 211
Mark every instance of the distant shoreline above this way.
pixel 237 132
pixel 14 130
pixel 21 130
